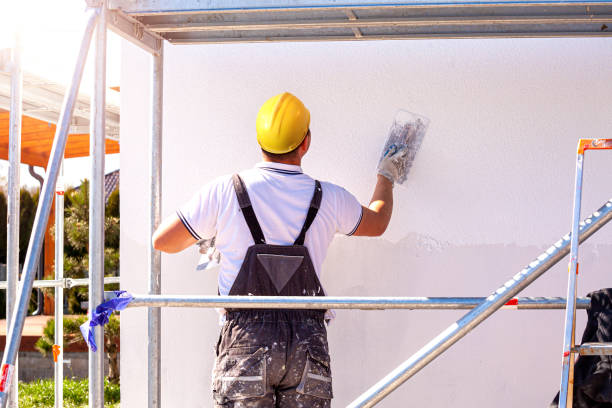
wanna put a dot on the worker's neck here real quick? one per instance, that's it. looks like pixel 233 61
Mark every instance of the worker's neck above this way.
pixel 294 162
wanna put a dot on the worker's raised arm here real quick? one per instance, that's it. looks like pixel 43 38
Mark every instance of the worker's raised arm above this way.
pixel 172 236
pixel 377 215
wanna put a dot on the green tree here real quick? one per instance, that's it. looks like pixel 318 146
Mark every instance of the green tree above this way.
pixel 3 226
pixel 3 237
pixel 27 211
pixel 28 202
pixel 76 243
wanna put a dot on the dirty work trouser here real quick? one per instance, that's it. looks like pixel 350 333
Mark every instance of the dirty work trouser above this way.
pixel 273 358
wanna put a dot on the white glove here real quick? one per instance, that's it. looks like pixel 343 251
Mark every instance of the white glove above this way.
pixel 205 244
pixel 210 255
pixel 393 163
pixel 403 143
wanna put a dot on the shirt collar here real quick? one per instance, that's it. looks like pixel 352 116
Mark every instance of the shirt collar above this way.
pixel 279 167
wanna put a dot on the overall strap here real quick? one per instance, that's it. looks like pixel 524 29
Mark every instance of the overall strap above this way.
pixel 247 210
pixel 312 212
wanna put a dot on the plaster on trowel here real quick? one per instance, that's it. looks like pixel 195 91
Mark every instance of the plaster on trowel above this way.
pixel 406 134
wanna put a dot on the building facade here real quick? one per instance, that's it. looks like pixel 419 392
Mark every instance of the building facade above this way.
pixel 491 189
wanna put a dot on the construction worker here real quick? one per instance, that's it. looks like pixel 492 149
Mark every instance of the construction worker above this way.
pixel 273 225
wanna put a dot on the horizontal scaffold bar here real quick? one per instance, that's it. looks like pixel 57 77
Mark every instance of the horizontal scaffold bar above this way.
pixel 66 283
pixel 223 21
pixel 173 7
pixel 331 302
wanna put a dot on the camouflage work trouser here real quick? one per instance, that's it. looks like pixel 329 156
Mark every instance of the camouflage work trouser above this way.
pixel 268 359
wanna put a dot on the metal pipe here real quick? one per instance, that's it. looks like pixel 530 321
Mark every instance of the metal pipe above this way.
pixel 35 175
pixel 329 302
pixel 59 292
pixel 566 390
pixel 96 209
pixel 41 261
pixel 71 283
pixel 388 37
pixel 154 257
pixel 65 283
pixel 375 23
pixel 42 214
pixel 473 318
pixel 12 234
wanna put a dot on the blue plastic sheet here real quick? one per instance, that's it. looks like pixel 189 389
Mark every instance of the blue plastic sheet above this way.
pixel 101 315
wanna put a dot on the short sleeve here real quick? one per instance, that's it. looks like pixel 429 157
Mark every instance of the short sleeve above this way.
pixel 199 214
pixel 348 212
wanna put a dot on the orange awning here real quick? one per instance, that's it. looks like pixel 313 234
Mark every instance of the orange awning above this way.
pixel 37 140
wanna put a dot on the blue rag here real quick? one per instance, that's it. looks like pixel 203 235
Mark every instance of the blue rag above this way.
pixel 101 315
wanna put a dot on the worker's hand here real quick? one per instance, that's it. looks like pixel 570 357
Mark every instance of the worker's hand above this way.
pixel 393 163
pixel 204 245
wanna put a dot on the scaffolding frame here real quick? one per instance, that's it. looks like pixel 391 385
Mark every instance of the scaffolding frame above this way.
pixel 148 23
pixel 566 392
pixel 19 303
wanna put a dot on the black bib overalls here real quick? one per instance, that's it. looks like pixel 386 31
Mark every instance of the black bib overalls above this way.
pixel 276 357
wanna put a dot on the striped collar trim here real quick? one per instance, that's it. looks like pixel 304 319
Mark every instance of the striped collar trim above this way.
pixel 279 167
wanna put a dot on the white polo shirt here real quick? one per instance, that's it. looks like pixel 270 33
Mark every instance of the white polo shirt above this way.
pixel 280 195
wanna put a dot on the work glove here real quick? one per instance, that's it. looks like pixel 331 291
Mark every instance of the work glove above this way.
pixel 210 255
pixel 403 142
pixel 393 163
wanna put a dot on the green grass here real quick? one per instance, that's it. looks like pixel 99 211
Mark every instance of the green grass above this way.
pixel 40 394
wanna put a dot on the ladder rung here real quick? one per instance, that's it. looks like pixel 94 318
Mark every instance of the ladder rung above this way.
pixel 595 349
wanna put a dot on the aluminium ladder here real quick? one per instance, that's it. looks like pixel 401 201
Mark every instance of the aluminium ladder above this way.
pixel 569 348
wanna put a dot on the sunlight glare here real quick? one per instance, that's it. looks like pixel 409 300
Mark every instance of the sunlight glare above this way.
pixel 51 34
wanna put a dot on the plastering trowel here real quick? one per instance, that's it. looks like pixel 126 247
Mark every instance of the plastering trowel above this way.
pixel 406 134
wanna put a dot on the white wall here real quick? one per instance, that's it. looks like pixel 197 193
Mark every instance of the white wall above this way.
pixel 491 189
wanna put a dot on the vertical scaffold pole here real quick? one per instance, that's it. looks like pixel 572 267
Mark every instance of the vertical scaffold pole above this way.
pixel 42 214
pixel 12 255
pixel 566 390
pixel 59 292
pixel 154 257
pixel 96 210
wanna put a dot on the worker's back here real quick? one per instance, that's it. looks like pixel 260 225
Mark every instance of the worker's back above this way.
pixel 280 195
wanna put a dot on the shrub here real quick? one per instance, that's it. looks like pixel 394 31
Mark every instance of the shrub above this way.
pixel 72 335
pixel 40 394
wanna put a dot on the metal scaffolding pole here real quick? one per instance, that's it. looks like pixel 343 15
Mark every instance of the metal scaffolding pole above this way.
pixel 12 235
pixel 59 293
pixel 42 213
pixel 566 391
pixel 96 209
pixel 473 318
pixel 154 257
pixel 65 283
pixel 338 302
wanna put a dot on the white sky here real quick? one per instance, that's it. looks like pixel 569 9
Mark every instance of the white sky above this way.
pixel 51 37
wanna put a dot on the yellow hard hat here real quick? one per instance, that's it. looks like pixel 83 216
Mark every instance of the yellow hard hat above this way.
pixel 282 123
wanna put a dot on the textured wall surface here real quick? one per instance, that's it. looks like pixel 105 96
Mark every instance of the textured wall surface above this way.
pixel 490 190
